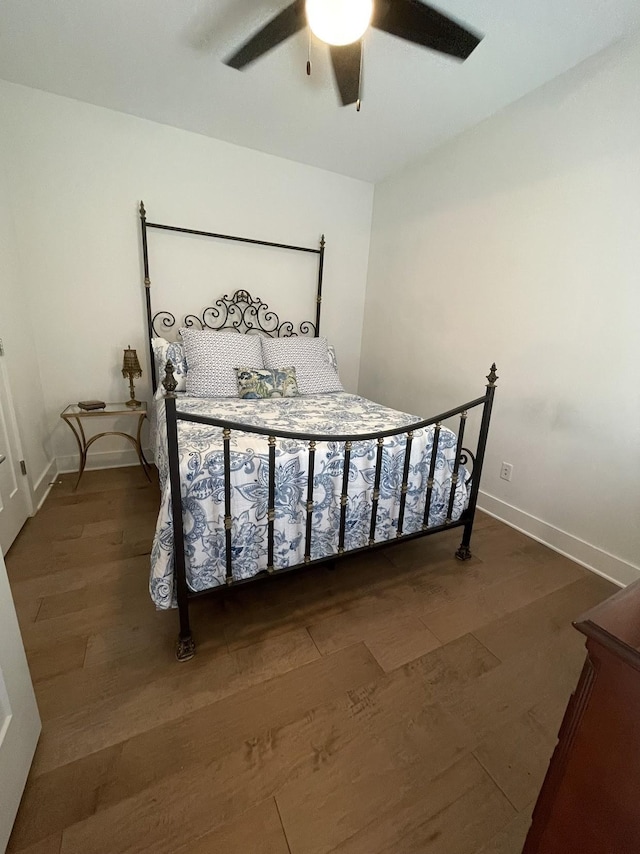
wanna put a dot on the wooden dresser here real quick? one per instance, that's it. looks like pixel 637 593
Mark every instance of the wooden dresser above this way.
pixel 590 800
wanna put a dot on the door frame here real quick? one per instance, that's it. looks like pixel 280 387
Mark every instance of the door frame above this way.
pixel 13 433
pixel 22 728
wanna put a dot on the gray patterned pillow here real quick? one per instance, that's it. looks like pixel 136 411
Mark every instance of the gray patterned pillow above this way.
pixel 310 358
pixel 333 359
pixel 213 358
pixel 267 382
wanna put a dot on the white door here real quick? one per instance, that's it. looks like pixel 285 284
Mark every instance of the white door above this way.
pixel 14 498
pixel 19 718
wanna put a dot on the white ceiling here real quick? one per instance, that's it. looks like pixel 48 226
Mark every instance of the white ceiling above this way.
pixel 160 59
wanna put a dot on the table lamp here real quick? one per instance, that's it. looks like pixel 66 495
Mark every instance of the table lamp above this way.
pixel 131 368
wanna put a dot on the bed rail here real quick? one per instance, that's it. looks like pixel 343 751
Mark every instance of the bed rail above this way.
pixel 186 647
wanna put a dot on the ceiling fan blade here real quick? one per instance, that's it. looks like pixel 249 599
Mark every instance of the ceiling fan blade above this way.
pixel 346 61
pixel 421 24
pixel 280 28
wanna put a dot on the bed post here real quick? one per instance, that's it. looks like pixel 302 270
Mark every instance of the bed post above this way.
pixel 319 291
pixel 185 648
pixel 464 552
pixel 147 292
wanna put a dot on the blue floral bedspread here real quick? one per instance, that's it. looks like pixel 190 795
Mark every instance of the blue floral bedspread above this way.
pixel 202 476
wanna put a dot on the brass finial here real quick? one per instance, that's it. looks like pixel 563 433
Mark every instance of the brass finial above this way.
pixel 143 213
pixel 169 382
pixel 492 376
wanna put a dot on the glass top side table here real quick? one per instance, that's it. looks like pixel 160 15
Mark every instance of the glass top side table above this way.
pixel 75 413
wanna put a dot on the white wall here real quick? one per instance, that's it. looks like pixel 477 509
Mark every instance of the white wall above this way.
pixel 77 173
pixel 520 241
pixel 21 360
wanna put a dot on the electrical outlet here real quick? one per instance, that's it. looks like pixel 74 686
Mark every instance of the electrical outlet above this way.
pixel 506 470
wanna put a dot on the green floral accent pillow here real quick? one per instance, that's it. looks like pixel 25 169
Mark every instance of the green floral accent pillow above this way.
pixel 267 382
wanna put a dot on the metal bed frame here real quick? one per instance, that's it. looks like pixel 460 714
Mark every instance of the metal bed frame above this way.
pixel 244 314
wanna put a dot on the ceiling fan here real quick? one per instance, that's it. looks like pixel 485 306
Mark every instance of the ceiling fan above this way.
pixel 342 23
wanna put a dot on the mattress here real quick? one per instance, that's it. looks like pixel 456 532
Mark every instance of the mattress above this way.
pixel 202 485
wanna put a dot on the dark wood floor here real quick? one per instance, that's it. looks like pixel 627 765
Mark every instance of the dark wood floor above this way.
pixel 403 703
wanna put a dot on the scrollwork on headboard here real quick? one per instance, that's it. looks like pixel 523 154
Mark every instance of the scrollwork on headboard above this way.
pixel 239 312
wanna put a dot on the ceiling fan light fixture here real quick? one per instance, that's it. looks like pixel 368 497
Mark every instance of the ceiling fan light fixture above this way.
pixel 339 22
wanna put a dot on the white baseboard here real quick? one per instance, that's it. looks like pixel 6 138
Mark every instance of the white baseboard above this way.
pixel 102 460
pixel 597 560
pixel 43 485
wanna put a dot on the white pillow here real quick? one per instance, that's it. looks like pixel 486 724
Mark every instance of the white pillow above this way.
pixel 164 350
pixel 309 356
pixel 213 357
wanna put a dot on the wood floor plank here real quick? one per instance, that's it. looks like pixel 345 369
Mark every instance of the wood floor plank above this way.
pixel 429 586
pixel 62 797
pixel 67 580
pixel 544 619
pixel 516 756
pixel 61 556
pixel 451 668
pixel 33 562
pixel 68 656
pixel 283 760
pixel 101 481
pixel 408 743
pixel 510 840
pixel 27 611
pixel 512 688
pixel 495 600
pixel 108 776
pixel 99 616
pixel 109 644
pixel 281 755
pixel 363 733
pixel 509 543
pixel 169 697
pixel 265 707
pixel 429 551
pixel 35 532
pixel 391 630
pixel 549 710
pixel 451 813
pixel 51 845
pixel 82 509
pixel 302 599
pixel 68 692
pixel 127 585
pixel 258 831
pixel 131 524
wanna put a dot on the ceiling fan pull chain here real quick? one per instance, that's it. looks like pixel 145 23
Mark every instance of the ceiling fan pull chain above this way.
pixel 309 56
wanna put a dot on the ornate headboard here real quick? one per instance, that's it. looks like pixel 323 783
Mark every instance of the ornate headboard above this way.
pixel 239 312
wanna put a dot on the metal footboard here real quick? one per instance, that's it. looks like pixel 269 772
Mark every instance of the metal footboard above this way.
pixel 186 647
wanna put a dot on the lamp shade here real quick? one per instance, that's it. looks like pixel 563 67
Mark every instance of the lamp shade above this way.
pixel 339 22
pixel 130 364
